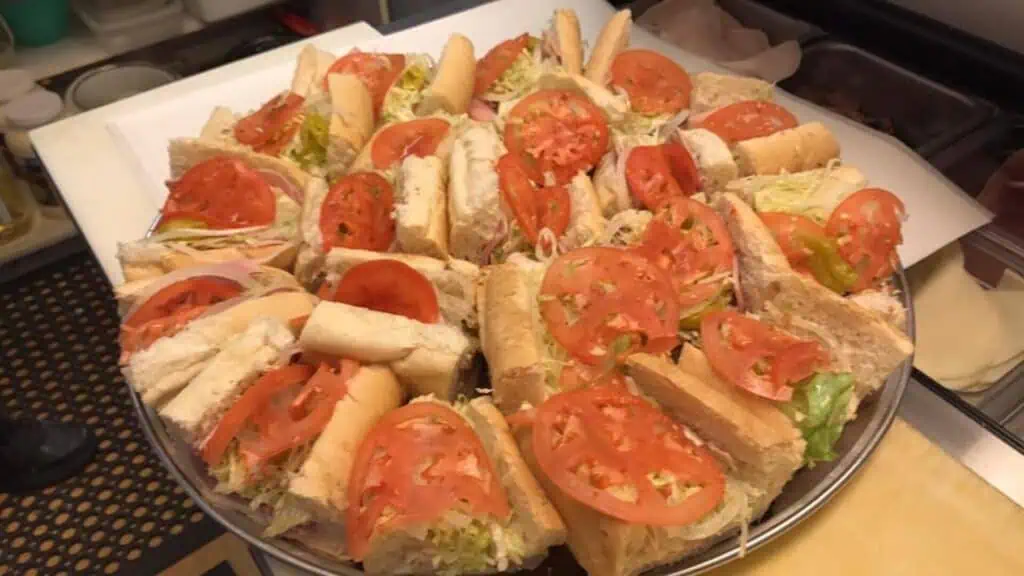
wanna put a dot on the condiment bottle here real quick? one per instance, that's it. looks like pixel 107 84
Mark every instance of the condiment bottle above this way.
pixel 25 113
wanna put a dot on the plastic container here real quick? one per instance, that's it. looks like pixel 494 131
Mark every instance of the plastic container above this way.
pixel 36 22
pixel 16 208
pixel 26 113
pixel 121 29
pixel 213 10
pixel 113 82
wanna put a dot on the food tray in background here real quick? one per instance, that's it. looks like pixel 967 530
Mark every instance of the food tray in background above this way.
pixel 923 114
pixel 777 26
pixel 809 489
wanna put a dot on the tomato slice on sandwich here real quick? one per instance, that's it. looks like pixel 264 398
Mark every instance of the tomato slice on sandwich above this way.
pixel 419 137
pixel 220 193
pixel 377 71
pixel 417 463
pixel 867 227
pixel 284 409
pixel 810 250
pixel 655 84
pixel 270 129
pixel 620 455
pixel 172 307
pixel 747 119
pixel 658 173
pixel 387 286
pixel 535 208
pixel 603 303
pixel 756 357
pixel 356 213
pixel 557 133
pixel 689 240
pixel 497 61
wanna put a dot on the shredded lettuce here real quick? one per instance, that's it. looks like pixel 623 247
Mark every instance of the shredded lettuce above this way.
pixel 405 93
pixel 814 193
pixel 311 151
pixel 520 76
pixel 471 545
pixel 818 409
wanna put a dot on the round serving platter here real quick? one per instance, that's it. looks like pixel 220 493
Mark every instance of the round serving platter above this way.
pixel 808 491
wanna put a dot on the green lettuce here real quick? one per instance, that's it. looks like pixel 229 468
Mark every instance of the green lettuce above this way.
pixel 405 93
pixel 520 76
pixel 818 409
pixel 814 193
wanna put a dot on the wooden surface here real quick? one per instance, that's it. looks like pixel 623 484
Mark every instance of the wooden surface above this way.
pixel 911 510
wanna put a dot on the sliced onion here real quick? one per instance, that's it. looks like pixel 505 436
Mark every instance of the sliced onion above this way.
pixel 239 271
pixel 500 234
pixel 283 183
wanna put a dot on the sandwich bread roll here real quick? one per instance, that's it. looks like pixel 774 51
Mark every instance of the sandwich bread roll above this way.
pixel 565 35
pixel 351 122
pixel 806 147
pixel 712 90
pixel 452 88
pixel 421 213
pixel 614 38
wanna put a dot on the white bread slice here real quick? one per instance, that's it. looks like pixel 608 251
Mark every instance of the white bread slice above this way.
pixel 806 147
pixel 421 206
pixel 474 200
pixel 712 156
pixel 351 122
pixel 614 38
pixel 310 70
pixel 219 127
pixel 586 222
pixel 427 358
pixel 452 87
pixel 859 340
pixel 564 36
pixel 455 280
pixel 712 90
pixel 194 412
pixel 143 261
pixel 512 335
pixel 402 551
pixel 606 546
pixel 160 371
pixel 320 487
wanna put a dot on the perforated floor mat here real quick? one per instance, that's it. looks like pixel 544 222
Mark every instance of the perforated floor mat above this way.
pixel 123 514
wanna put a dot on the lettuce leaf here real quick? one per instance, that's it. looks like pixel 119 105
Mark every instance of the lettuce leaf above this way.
pixel 311 151
pixel 818 409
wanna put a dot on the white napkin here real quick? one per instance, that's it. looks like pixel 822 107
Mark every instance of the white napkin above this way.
pixel 701 27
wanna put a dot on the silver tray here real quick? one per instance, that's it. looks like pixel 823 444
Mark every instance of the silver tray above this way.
pixel 809 490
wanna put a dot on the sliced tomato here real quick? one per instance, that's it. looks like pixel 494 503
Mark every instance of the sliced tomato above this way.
pixel 602 446
pixel 557 133
pixel 497 61
pixel 357 213
pixel 534 208
pixel 417 463
pixel 253 400
pixel 304 418
pixel 419 137
pixel 171 308
pixel 689 240
pixel 270 129
pixel 388 286
pixel 220 193
pixel 657 173
pixel 655 84
pixel 867 227
pixel 748 119
pixel 377 71
pixel 756 357
pixel 603 303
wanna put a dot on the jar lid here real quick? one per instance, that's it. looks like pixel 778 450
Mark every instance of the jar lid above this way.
pixel 33 109
pixel 14 83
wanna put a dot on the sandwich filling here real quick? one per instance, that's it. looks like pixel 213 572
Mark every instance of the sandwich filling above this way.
pixel 424 472
pixel 407 91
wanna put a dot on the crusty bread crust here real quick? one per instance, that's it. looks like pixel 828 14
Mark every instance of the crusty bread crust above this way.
pixel 765 446
pixel 567 33
pixel 351 122
pixel 859 341
pixel 508 337
pixel 310 70
pixel 805 147
pixel 452 87
pixel 321 484
pixel 614 38
pixel 426 178
pixel 543 527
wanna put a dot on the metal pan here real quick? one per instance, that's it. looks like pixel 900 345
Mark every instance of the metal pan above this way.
pixel 806 493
